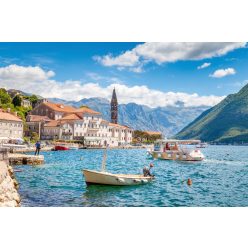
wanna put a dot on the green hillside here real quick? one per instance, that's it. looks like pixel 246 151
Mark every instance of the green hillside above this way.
pixel 226 122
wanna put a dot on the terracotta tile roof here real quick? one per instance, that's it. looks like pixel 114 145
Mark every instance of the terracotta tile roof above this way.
pixel 37 118
pixel 53 123
pixel 71 117
pixel 118 126
pixel 87 110
pixel 153 132
pixel 8 116
pixel 60 107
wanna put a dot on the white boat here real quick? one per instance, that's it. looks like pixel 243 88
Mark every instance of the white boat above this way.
pixel 202 145
pixel 176 150
pixel 73 146
pixel 105 178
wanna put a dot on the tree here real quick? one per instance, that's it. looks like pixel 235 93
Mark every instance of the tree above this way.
pixel 34 137
pixel 17 101
pixel 4 97
pixel 33 99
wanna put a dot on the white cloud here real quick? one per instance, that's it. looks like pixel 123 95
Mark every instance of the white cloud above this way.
pixel 36 80
pixel 204 65
pixel 20 73
pixel 125 59
pixel 223 73
pixel 164 52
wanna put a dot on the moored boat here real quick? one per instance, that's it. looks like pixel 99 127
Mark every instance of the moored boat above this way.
pixel 61 147
pixel 105 178
pixel 176 150
pixel 73 146
pixel 202 145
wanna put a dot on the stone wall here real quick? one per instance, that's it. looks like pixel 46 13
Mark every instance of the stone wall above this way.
pixel 9 196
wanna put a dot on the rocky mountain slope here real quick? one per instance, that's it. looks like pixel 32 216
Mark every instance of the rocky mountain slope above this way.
pixel 226 122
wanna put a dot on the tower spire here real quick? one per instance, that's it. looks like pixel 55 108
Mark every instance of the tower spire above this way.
pixel 114 108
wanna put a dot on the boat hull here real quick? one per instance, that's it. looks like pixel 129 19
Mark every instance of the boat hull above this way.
pixel 61 148
pixel 105 178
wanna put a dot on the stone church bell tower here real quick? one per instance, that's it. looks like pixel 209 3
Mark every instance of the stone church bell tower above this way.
pixel 114 108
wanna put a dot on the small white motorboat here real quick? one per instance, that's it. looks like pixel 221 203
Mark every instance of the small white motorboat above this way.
pixel 105 178
pixel 174 150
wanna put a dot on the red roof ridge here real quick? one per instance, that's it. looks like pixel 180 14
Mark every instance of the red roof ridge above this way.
pixel 59 107
pixel 72 116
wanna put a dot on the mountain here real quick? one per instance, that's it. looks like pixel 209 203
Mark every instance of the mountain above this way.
pixel 168 120
pixel 226 122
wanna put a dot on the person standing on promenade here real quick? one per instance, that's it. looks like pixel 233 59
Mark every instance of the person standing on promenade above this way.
pixel 38 147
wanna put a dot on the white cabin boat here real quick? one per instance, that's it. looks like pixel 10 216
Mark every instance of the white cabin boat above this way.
pixel 176 150
pixel 105 178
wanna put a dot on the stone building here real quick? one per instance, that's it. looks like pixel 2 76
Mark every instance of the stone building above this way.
pixel 54 111
pixel 35 124
pixel 11 125
pixel 26 103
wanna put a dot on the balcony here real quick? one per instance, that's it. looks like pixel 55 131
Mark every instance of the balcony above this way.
pixel 93 121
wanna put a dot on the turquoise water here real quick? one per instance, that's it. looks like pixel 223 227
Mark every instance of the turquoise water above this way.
pixel 220 180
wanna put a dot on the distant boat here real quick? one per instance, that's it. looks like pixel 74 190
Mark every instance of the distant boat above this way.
pixel 65 147
pixel 105 178
pixel 73 146
pixel 61 147
pixel 176 150
pixel 202 145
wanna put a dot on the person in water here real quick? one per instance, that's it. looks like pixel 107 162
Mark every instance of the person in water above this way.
pixel 38 147
pixel 147 172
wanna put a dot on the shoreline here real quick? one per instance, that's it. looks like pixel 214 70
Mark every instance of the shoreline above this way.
pixel 9 195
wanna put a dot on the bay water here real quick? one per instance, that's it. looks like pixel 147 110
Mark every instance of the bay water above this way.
pixel 220 180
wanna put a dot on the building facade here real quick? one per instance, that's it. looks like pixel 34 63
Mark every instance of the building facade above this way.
pixel 35 124
pixel 68 123
pixel 26 103
pixel 11 126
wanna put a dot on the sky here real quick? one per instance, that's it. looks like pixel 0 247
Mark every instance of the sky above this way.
pixel 153 74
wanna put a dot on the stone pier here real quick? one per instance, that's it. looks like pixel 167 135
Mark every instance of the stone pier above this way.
pixel 20 159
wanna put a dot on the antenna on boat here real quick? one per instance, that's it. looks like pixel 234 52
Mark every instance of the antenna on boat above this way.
pixel 104 160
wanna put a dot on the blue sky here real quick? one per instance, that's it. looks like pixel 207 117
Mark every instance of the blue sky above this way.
pixel 154 67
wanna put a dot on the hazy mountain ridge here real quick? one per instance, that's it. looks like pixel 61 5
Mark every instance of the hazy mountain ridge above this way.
pixel 168 120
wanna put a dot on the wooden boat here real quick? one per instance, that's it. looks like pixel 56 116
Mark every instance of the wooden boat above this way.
pixel 175 150
pixel 105 178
